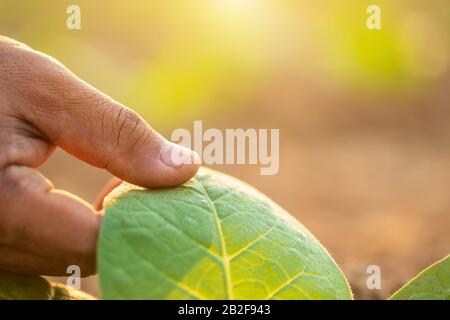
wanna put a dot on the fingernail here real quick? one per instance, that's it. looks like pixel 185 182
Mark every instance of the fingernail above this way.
pixel 175 155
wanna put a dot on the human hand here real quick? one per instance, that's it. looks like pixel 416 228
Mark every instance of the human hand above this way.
pixel 42 105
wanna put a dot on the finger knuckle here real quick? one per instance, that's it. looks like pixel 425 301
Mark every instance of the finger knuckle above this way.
pixel 15 178
pixel 130 129
pixel 7 154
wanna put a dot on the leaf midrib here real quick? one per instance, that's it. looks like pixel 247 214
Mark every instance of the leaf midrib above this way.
pixel 225 258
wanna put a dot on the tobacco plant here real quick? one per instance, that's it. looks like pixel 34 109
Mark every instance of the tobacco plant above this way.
pixel 211 238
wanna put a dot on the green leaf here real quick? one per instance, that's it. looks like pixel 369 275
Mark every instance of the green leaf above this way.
pixel 212 238
pixel 431 284
pixel 63 292
pixel 28 287
pixel 24 287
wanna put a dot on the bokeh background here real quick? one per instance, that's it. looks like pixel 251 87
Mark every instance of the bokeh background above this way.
pixel 364 116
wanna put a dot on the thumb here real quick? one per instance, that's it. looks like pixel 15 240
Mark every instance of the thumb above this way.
pixel 95 128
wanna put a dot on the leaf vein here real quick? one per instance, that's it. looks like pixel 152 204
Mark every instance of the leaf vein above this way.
pixel 199 244
pixel 226 260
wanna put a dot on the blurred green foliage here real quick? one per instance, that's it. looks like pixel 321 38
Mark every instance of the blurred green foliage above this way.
pixel 176 59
